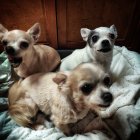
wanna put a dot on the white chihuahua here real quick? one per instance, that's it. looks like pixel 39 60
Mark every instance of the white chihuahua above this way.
pixel 99 48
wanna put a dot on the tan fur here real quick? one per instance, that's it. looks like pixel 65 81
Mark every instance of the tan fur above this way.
pixel 35 58
pixel 42 59
pixel 21 107
pixel 22 114
pixel 60 95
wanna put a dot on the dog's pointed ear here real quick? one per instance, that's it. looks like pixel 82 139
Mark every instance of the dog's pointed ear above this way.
pixel 114 30
pixel 85 33
pixel 60 78
pixel 3 30
pixel 35 31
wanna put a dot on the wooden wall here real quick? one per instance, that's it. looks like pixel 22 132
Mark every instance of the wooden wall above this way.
pixel 61 20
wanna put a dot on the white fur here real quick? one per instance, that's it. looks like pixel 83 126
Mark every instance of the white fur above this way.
pixel 91 54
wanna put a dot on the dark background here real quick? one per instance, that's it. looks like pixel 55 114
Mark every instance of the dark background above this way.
pixel 61 20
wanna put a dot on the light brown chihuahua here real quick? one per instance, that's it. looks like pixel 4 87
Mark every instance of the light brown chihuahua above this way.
pixel 66 96
pixel 25 57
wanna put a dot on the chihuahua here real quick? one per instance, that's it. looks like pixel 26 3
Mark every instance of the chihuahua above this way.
pixel 25 57
pixel 99 48
pixel 66 96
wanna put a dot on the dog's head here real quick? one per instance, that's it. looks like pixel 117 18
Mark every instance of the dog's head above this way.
pixel 101 39
pixel 87 87
pixel 17 42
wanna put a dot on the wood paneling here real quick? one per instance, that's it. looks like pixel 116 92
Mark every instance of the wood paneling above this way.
pixel 50 10
pixel 16 14
pixel 61 20
pixel 73 15
pixel 133 34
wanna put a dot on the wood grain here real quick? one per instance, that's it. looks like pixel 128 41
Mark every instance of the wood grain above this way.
pixel 16 14
pixel 73 15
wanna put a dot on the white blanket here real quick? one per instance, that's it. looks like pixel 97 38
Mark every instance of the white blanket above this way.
pixel 126 68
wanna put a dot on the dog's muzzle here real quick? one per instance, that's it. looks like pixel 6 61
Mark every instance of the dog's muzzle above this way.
pixel 10 50
pixel 107 99
pixel 15 61
pixel 106 47
pixel 12 56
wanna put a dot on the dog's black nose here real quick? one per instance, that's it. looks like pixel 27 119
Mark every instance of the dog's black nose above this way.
pixel 10 50
pixel 107 97
pixel 105 43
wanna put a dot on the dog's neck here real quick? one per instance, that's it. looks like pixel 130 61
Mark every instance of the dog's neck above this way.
pixel 80 110
pixel 69 111
pixel 81 114
pixel 105 60
pixel 102 58
pixel 28 55
pixel 89 53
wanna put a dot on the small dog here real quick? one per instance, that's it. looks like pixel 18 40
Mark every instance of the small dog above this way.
pixel 25 57
pixel 66 96
pixel 99 48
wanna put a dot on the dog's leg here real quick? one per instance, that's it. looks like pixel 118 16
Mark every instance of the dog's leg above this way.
pixel 39 123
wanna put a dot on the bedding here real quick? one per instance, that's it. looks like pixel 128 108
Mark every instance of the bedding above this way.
pixel 125 69
pixel 5 73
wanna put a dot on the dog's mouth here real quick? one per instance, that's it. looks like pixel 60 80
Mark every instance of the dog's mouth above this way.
pixel 104 105
pixel 14 60
pixel 104 50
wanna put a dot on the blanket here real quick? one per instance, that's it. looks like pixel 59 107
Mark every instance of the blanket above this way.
pixel 5 73
pixel 125 68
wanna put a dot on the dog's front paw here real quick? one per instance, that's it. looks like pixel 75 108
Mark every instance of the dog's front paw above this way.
pixel 39 127
pixel 105 114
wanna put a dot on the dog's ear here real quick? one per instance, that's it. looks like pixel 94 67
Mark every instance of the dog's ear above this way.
pixel 35 31
pixel 114 30
pixel 60 78
pixel 3 30
pixel 85 33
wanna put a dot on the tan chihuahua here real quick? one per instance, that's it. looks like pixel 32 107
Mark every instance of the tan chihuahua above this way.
pixel 25 57
pixel 66 96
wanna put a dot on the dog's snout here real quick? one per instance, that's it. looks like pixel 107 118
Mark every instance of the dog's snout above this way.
pixel 106 46
pixel 105 43
pixel 107 97
pixel 10 50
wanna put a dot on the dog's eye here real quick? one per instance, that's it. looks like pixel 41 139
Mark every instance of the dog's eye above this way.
pixel 87 88
pixel 4 42
pixel 24 45
pixel 95 38
pixel 112 36
pixel 107 81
